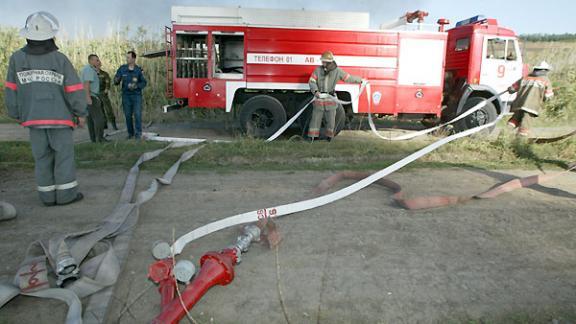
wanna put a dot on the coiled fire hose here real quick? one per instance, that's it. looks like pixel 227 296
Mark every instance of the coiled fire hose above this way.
pixel 67 256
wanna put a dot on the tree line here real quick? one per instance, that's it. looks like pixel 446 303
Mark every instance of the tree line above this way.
pixel 548 37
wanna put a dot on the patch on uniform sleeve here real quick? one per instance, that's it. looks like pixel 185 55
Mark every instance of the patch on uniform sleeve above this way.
pixel 31 76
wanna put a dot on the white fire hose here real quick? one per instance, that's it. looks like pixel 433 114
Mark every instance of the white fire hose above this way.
pixel 68 254
pixel 366 87
pixel 272 212
pixel 102 271
pixel 278 211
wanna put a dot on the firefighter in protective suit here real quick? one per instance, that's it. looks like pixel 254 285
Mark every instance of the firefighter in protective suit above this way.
pixel 323 84
pixel 533 90
pixel 43 92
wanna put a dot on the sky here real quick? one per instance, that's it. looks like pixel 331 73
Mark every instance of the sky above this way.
pixel 101 17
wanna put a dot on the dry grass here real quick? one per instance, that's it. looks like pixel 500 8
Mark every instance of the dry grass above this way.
pixel 562 56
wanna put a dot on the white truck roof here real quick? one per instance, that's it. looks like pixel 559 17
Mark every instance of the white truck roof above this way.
pixel 270 17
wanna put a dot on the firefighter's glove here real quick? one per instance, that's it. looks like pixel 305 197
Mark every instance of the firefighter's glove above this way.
pixel 512 90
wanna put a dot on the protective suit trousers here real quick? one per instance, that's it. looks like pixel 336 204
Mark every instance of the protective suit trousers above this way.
pixel 322 110
pixel 523 119
pixel 53 151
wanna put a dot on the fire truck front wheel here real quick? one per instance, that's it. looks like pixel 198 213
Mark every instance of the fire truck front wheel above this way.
pixel 261 116
pixel 483 116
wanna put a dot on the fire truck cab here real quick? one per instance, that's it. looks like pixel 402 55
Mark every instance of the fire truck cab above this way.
pixel 482 59
pixel 256 63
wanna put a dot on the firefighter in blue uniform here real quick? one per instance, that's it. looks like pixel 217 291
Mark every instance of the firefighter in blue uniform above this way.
pixel 133 82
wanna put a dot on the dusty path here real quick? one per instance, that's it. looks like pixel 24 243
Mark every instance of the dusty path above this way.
pixel 359 260
pixel 212 130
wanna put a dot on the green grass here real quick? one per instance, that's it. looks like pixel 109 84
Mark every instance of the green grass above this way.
pixel 504 152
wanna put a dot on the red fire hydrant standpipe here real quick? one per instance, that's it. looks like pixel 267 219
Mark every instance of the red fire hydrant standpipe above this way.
pixel 216 268
pixel 161 273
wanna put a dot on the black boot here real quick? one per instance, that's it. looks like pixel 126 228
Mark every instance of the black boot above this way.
pixel 79 197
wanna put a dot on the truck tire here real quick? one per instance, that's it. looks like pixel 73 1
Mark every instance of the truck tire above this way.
pixel 483 116
pixel 261 116
pixel 304 122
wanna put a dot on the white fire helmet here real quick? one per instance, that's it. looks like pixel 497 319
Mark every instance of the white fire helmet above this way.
pixel 543 66
pixel 40 26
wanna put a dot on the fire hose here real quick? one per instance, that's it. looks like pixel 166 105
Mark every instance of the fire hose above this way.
pixel 278 211
pixel 365 86
pixel 287 209
pixel 225 259
pixel 437 201
pixel 219 271
pixel 539 140
pixel 67 255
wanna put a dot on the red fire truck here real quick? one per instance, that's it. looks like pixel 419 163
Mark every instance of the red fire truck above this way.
pixel 256 63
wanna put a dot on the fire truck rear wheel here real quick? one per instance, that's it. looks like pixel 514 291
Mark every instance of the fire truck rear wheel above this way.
pixel 261 116
pixel 483 116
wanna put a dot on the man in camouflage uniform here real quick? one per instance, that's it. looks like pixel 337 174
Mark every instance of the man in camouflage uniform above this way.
pixel 105 82
pixel 322 83
pixel 533 91
pixel 43 92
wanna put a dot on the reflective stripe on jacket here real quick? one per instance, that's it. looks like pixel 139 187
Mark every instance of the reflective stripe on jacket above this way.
pixel 43 90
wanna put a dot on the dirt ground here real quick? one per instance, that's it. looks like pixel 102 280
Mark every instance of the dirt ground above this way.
pixel 212 130
pixel 359 260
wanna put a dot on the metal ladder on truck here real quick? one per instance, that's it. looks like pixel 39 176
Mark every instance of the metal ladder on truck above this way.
pixel 169 63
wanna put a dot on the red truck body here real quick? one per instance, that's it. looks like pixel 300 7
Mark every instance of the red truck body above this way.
pixel 419 73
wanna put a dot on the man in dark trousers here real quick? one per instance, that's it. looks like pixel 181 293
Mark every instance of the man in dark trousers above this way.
pixel 105 82
pixel 133 81
pixel 96 120
pixel 43 92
